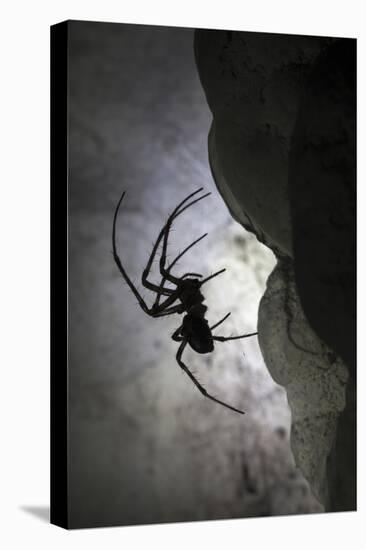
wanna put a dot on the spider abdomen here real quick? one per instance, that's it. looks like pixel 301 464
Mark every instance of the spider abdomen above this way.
pixel 198 334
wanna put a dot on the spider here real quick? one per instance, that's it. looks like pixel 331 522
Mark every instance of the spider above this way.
pixel 186 297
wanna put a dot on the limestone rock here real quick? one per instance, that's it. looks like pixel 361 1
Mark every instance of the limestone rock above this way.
pixel 314 377
pixel 282 153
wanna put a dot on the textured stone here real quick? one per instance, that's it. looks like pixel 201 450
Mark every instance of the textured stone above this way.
pixel 253 84
pixel 282 153
pixel 314 377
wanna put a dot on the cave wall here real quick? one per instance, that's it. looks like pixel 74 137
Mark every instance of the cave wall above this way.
pixel 282 153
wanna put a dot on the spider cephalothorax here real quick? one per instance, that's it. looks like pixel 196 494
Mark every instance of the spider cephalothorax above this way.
pixel 186 297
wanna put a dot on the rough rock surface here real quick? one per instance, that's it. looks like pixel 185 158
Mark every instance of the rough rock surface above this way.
pixel 253 83
pixel 282 152
pixel 314 377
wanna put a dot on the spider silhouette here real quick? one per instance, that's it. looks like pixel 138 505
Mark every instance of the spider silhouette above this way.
pixel 186 297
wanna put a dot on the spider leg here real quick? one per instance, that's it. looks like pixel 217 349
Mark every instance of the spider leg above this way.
pixel 165 229
pixel 177 336
pixel 227 338
pixel 221 321
pixel 157 300
pixel 173 295
pixel 154 311
pixel 167 305
pixel 165 272
pixel 161 290
pixel 158 294
pixel 172 264
pixel 167 311
pixel 140 299
pixel 196 383
pixel 212 276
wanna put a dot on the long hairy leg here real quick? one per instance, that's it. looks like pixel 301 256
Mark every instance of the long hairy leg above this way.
pixel 163 308
pixel 164 233
pixel 166 311
pixel 227 338
pixel 172 264
pixel 221 321
pixel 163 270
pixel 122 270
pixel 197 384
pixel 177 335
pixel 173 295
pixel 212 276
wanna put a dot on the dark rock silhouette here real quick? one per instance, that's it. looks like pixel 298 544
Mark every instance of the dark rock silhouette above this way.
pixel 282 151
pixel 322 185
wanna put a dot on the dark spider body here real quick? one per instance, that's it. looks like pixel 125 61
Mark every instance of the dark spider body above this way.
pixel 186 297
pixel 190 293
pixel 197 333
pixel 194 326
